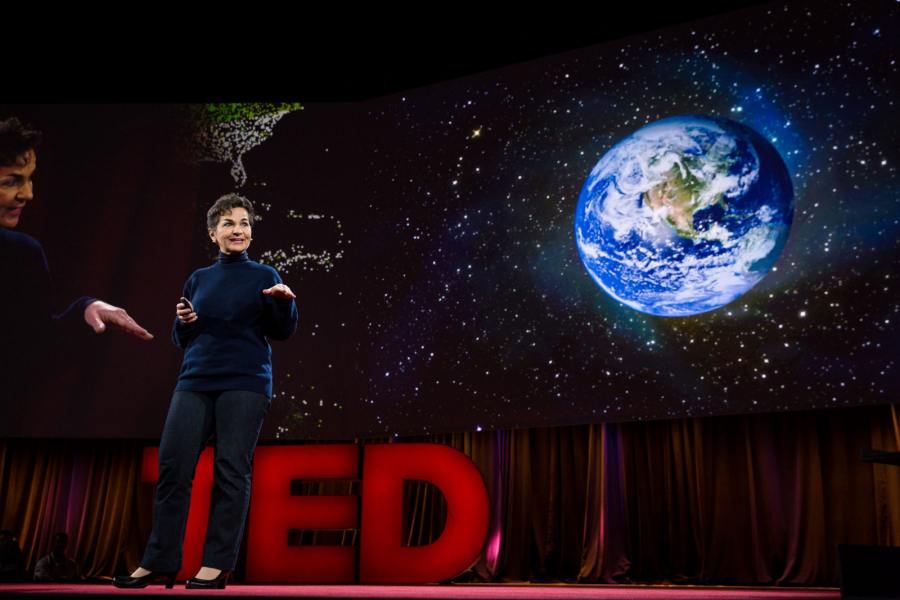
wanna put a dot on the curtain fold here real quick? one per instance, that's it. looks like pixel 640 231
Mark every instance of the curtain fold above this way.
pixel 604 556
pixel 749 499
pixel 886 437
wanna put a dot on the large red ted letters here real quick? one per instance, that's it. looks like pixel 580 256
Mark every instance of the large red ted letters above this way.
pixel 382 556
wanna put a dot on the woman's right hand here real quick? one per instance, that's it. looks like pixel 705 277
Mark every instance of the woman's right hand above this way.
pixel 185 313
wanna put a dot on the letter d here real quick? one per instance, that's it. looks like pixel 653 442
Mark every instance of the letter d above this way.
pixel 383 558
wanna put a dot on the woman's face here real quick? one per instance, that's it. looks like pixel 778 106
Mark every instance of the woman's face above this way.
pixel 15 190
pixel 232 233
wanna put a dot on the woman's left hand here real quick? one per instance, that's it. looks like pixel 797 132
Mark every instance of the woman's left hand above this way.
pixel 280 290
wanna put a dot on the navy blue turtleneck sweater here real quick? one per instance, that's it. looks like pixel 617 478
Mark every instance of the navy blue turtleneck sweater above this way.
pixel 226 347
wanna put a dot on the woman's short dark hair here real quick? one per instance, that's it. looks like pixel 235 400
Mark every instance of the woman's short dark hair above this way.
pixel 226 204
pixel 16 139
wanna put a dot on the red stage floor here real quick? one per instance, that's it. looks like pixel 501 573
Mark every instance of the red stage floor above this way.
pixel 434 592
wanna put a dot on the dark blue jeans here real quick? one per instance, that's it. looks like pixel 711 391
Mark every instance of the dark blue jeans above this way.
pixel 235 417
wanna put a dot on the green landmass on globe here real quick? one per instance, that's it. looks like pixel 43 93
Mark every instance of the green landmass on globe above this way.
pixel 682 193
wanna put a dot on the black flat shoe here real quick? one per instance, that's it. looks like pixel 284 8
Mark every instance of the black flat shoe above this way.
pixel 127 581
pixel 208 584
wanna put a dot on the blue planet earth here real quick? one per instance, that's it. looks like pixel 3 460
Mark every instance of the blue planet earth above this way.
pixel 684 215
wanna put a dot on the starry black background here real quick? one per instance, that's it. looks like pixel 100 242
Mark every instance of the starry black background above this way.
pixel 475 309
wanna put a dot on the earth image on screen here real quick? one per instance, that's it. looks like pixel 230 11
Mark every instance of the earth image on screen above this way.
pixel 684 215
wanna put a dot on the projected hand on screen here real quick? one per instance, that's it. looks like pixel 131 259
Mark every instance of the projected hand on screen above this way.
pixel 98 314
pixel 281 291
pixel 185 312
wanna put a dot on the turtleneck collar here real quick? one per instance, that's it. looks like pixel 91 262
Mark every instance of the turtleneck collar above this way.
pixel 230 259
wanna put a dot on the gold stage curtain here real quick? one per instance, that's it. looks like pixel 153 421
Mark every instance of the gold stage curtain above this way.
pixel 85 488
pixel 748 499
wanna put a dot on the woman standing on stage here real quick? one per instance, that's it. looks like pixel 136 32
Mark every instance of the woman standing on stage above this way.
pixel 225 388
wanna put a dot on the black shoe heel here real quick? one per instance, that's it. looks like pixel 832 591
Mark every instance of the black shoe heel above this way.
pixel 218 583
pixel 170 580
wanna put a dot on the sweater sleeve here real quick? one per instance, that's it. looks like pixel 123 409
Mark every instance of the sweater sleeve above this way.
pixel 73 317
pixel 67 323
pixel 181 333
pixel 281 316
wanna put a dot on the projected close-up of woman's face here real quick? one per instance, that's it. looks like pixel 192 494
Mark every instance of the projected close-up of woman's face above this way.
pixel 16 189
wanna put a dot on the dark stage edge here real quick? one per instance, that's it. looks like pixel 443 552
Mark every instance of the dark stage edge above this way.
pixel 430 592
